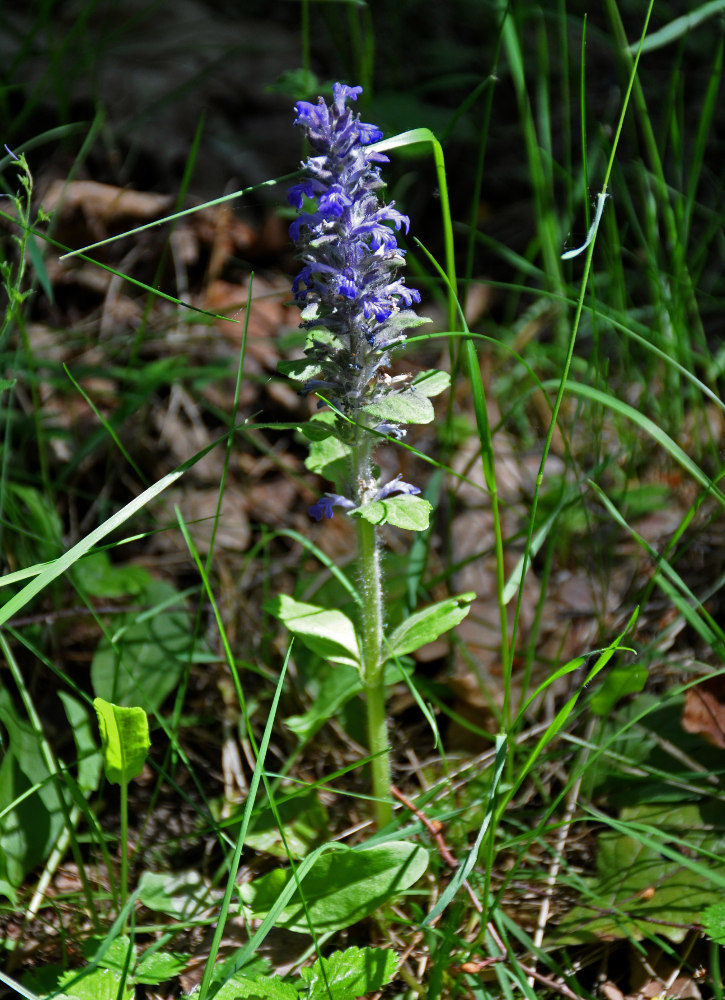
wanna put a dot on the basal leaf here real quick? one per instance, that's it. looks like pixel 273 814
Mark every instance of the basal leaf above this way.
pixel 330 634
pixel 425 626
pixel 342 887
pixel 125 740
pixel 409 512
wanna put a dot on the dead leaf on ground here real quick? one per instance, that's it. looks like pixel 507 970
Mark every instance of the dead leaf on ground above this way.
pixel 704 711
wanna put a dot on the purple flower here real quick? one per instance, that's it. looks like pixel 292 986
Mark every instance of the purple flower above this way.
pixel 397 485
pixel 323 507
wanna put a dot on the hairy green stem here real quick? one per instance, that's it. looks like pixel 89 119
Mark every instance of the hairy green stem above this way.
pixel 371 637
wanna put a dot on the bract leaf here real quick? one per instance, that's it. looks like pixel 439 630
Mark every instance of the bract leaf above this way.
pixel 124 738
pixel 406 407
pixel 432 382
pixel 410 512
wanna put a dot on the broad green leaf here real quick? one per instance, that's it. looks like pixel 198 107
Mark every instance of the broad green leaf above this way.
pixel 425 626
pixel 249 988
pixel 144 659
pixel 348 974
pixel 409 512
pixel 342 888
pixel 125 740
pixel 406 407
pixel 330 634
pixel 181 896
pixel 432 383
pixel 627 678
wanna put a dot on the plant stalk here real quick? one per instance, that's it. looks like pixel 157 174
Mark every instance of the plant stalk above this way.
pixel 371 637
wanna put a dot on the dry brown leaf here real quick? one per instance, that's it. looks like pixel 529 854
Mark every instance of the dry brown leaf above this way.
pixel 704 711
pixel 104 202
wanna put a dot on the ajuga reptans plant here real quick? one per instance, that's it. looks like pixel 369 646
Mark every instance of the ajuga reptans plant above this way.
pixel 356 309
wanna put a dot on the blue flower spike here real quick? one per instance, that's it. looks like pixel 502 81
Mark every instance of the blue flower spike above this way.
pixel 349 287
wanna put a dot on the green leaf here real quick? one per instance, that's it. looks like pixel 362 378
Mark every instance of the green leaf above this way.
pixel 89 756
pixel 249 988
pixel 98 984
pixel 182 896
pixel 348 974
pixel 304 821
pixel 330 634
pixel 432 382
pixel 322 426
pixel 339 686
pixel 98 577
pixel 300 370
pixel 106 954
pixel 336 689
pixel 627 678
pixel 329 457
pixel 125 740
pixel 639 890
pixel 342 887
pixel 144 659
pixel 425 626
pixel 713 922
pixel 156 967
pixel 405 407
pixel 31 814
pixel 409 512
